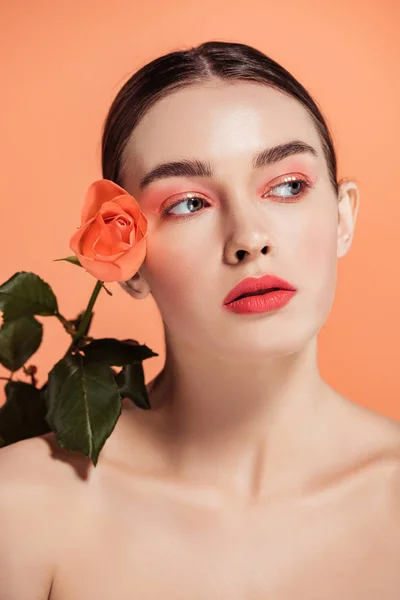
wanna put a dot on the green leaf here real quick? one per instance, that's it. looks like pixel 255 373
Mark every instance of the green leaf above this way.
pixel 117 353
pixel 26 294
pixel 22 416
pixel 19 339
pixel 131 384
pixel 84 404
pixel 72 259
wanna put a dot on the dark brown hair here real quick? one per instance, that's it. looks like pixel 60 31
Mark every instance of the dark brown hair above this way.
pixel 210 61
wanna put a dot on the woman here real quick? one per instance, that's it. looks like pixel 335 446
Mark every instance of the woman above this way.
pixel 251 478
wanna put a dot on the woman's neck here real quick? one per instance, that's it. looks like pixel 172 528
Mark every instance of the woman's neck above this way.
pixel 241 426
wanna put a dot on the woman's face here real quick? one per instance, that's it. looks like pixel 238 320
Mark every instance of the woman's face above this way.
pixel 192 262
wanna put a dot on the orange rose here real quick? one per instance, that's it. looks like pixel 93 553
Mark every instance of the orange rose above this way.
pixel 111 241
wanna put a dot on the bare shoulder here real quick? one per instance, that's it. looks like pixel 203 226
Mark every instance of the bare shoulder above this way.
pixel 39 461
pixel 36 482
pixel 382 431
pixel 390 431
pixel 368 431
pixel 365 446
pixel 382 446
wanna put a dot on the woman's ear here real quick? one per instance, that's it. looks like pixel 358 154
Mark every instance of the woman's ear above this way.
pixel 348 207
pixel 136 286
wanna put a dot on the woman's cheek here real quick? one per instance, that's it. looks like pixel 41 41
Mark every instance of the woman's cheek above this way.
pixel 170 269
pixel 319 244
pixel 319 259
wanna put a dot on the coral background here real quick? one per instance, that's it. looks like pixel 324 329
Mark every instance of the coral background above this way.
pixel 62 63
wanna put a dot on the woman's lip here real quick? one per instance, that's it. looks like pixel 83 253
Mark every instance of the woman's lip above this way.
pixel 263 303
pixel 255 284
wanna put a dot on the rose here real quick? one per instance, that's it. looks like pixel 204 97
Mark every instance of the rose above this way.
pixel 111 240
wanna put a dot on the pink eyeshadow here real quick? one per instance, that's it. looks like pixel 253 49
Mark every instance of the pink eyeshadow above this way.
pixel 152 198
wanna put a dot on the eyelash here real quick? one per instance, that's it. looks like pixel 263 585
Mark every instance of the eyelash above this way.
pixel 306 186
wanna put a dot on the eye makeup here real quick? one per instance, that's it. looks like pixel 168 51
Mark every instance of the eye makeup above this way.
pixel 300 166
pixel 164 195
pixel 154 200
pixel 302 185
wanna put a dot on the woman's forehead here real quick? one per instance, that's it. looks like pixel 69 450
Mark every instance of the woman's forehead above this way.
pixel 218 123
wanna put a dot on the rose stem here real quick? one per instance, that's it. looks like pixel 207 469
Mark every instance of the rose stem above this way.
pixel 87 315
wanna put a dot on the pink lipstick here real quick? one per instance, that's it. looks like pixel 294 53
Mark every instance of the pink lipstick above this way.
pixel 259 294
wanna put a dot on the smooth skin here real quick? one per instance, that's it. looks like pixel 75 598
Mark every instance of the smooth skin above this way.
pixel 251 478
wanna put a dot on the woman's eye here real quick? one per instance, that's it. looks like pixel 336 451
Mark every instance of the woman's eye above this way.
pixel 195 203
pixel 297 185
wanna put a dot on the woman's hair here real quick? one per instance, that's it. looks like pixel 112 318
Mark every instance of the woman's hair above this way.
pixel 209 62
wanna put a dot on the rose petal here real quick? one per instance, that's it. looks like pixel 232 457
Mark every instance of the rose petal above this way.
pixel 113 208
pixel 110 241
pixel 89 239
pixel 128 232
pixel 99 192
pixel 121 219
pixel 76 238
pixel 141 225
pixel 130 205
pixel 113 215
pixel 87 263
pixel 100 270
pixel 124 229
pixel 130 262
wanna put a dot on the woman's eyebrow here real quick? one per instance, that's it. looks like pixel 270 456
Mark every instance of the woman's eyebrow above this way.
pixel 197 168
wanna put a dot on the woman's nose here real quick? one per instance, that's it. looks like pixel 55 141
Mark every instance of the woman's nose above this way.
pixel 247 239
